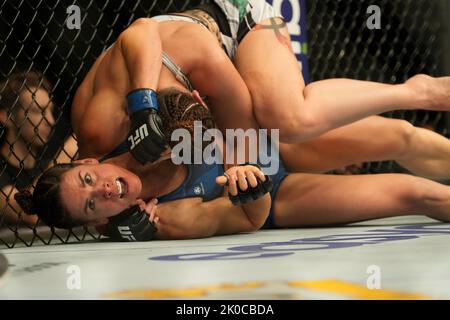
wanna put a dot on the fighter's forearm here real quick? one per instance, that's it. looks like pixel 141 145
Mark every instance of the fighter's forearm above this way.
pixel 141 48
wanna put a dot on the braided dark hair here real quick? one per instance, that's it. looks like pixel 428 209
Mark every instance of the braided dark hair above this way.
pixel 46 199
pixel 179 110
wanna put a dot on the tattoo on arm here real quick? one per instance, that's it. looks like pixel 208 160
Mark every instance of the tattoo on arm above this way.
pixel 276 26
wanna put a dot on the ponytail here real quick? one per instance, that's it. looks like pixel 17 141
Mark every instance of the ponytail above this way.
pixel 46 199
pixel 24 199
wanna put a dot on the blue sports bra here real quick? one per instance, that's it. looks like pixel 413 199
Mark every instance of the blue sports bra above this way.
pixel 200 182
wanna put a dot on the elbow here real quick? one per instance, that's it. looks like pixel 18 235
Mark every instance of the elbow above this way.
pixel 258 224
pixel 257 215
pixel 254 225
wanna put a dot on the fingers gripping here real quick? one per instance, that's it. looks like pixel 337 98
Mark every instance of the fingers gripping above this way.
pixel 250 187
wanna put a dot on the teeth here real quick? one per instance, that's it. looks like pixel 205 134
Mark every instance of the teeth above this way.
pixel 119 187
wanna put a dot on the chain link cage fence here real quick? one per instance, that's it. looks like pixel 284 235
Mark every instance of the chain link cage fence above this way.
pixel 414 38
pixel 43 62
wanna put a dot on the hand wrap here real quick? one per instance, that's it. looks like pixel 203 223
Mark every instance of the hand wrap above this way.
pixel 132 224
pixel 145 140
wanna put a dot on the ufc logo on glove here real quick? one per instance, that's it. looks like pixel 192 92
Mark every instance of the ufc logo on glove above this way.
pixel 126 233
pixel 138 136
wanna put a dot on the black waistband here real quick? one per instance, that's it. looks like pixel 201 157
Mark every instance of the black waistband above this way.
pixel 218 15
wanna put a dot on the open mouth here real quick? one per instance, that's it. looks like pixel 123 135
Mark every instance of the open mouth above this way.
pixel 122 187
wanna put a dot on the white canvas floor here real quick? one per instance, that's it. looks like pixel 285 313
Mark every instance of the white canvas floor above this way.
pixel 400 258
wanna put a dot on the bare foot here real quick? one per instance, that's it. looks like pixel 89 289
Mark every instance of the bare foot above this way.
pixel 432 93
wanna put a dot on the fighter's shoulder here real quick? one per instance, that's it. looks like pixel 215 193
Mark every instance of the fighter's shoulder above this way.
pixel 86 88
pixel 83 96
pixel 81 99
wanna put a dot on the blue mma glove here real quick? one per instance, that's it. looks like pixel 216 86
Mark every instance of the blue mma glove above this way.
pixel 252 194
pixel 145 140
pixel 131 225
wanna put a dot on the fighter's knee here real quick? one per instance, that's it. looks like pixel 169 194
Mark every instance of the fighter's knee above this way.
pixel 407 131
pixel 404 132
pixel 418 194
pixel 294 127
pixel 300 127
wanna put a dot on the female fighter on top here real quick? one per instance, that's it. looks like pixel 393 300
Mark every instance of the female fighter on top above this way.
pixel 238 54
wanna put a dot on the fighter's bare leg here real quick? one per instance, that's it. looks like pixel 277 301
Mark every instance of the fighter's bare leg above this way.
pixel 281 101
pixel 371 139
pixel 315 200
pixel 428 154
pixel 421 151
